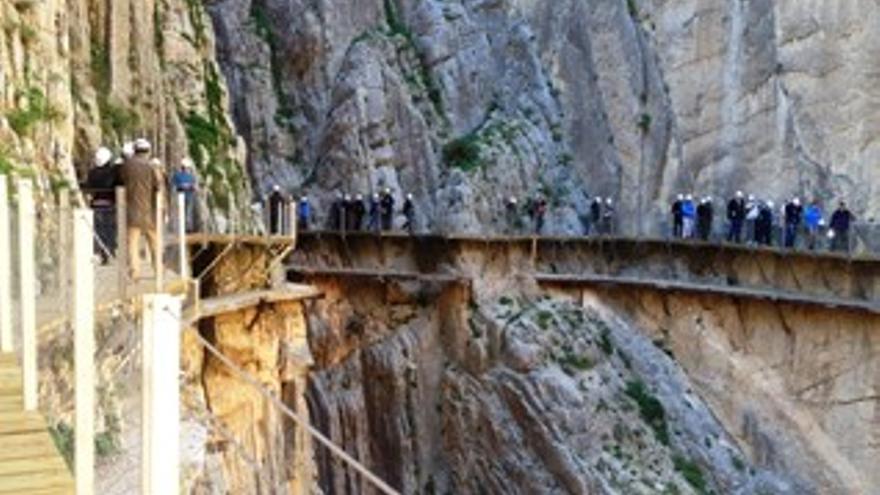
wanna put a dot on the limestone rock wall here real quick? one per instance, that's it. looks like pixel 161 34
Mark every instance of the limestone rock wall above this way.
pixel 637 99
pixel 76 74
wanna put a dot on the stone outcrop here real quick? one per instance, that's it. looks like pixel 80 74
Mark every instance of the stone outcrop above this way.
pixel 465 103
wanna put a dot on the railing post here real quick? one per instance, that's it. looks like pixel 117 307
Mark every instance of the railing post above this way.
pixel 6 342
pixel 294 222
pixel 84 349
pixel 158 249
pixel 122 260
pixel 28 293
pixel 160 470
pixel 181 235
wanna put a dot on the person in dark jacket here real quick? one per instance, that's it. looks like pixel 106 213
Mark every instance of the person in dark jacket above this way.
pixel 736 214
pixel 677 217
pixel 101 185
pixel 705 216
pixel 336 213
pixel 595 215
pixel 358 211
pixel 512 215
pixel 375 213
pixel 142 188
pixel 764 224
pixel 608 214
pixel 387 209
pixel 409 213
pixel 793 213
pixel 276 210
pixel 840 223
pixel 540 210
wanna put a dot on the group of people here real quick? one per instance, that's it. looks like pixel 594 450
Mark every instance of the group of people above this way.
pixel 144 179
pixel 346 212
pixel 599 221
pixel 754 221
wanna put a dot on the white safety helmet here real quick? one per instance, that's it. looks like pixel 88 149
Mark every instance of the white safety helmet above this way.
pixel 770 204
pixel 128 150
pixel 739 194
pixel 708 199
pixel 347 197
pixel 831 233
pixel 141 145
pixel 387 190
pixel 689 197
pixel 409 197
pixel 376 196
pixel 155 162
pixel 680 197
pixel 512 200
pixel 359 197
pixel 118 161
pixel 103 156
pixel 276 187
pixel 187 163
pixel 304 199
pixel 598 199
pixel 796 201
pixel 608 201
pixel 751 197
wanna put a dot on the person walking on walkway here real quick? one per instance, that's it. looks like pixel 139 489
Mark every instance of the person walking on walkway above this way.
pixel 813 221
pixel 736 214
pixel 608 214
pixel 101 185
pixel 596 215
pixel 840 224
pixel 705 216
pixel 387 209
pixel 540 210
pixel 688 217
pixel 764 224
pixel 276 210
pixel 358 211
pixel 677 218
pixel 753 208
pixel 142 188
pixel 793 213
pixel 304 212
pixel 184 182
pixel 511 214
pixel 335 219
pixel 409 214
pixel 374 213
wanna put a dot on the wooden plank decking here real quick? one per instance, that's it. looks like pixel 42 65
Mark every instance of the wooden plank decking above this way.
pixel 29 461
pixel 231 303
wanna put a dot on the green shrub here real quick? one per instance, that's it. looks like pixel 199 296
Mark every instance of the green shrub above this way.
pixel 36 109
pixel 543 319
pixel 62 436
pixel 650 409
pixel 575 362
pixel 463 153
pixel 117 120
pixel 605 341
pixel 645 122
pixel 692 473
pixel 632 8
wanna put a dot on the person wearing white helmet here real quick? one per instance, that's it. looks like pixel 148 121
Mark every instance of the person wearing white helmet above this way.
pixel 184 182
pixel 753 208
pixel 375 213
pixel 387 209
pixel 596 215
pixel 736 215
pixel 276 210
pixel 608 214
pixel 764 224
pixel 100 186
pixel 409 213
pixel 512 215
pixel 677 216
pixel 142 188
pixel 304 213
pixel 792 213
pixel 688 217
pixel 358 212
pixel 705 216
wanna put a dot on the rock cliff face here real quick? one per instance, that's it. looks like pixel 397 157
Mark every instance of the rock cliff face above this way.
pixel 77 74
pixel 512 395
pixel 466 102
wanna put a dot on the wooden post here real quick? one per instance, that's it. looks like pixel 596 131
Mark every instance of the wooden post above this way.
pixel 6 342
pixel 158 249
pixel 294 222
pixel 84 349
pixel 28 293
pixel 181 235
pixel 122 260
pixel 160 422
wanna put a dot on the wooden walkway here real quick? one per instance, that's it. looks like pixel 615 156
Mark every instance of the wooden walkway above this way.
pixel 231 303
pixel 29 461
pixel 377 273
pixel 776 296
